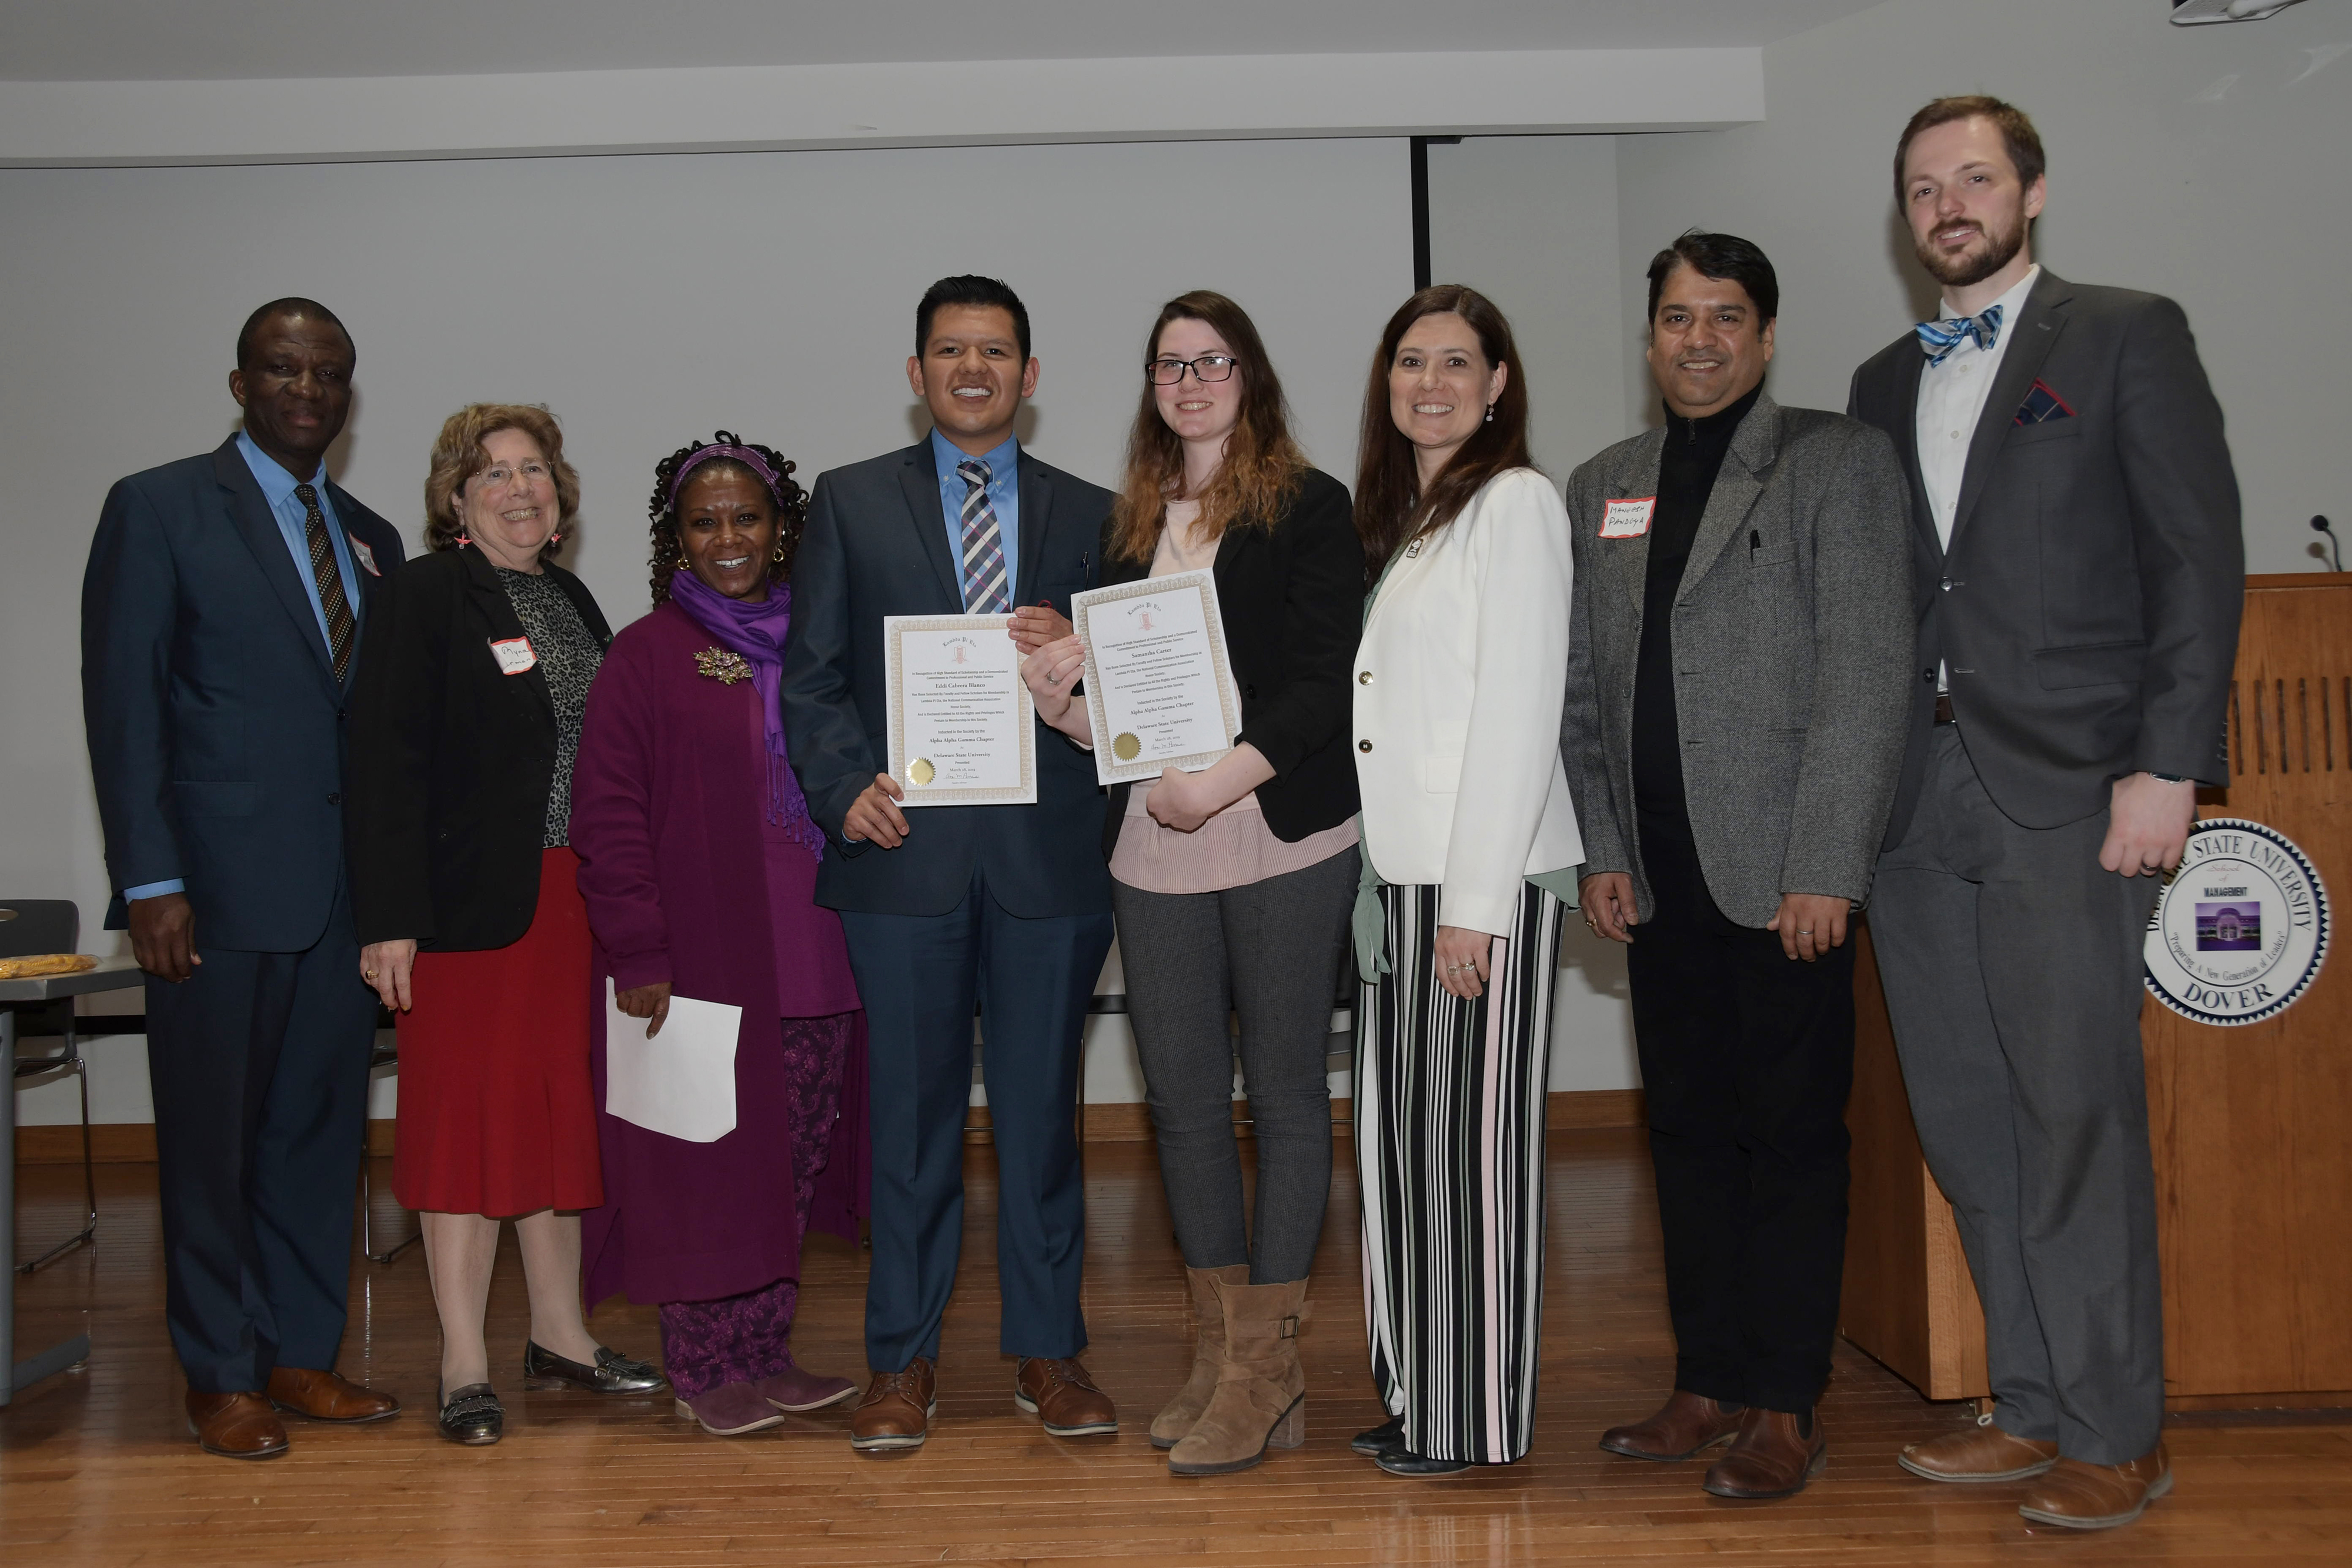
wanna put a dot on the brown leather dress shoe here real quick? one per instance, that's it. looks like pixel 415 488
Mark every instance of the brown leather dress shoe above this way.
pixel 1981 1453
pixel 1058 1391
pixel 238 1426
pixel 1773 1456
pixel 2082 1496
pixel 897 1410
pixel 1687 1426
pixel 323 1397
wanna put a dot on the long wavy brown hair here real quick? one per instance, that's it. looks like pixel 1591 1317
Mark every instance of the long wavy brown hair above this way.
pixel 1391 512
pixel 1262 464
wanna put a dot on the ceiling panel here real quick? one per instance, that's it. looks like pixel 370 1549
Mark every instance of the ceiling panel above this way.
pixel 87 40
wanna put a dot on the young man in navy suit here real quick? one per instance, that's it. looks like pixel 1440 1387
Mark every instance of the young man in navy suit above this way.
pixel 1008 905
pixel 2077 576
pixel 221 612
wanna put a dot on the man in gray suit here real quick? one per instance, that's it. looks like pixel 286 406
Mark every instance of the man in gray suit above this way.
pixel 2078 576
pixel 1738 668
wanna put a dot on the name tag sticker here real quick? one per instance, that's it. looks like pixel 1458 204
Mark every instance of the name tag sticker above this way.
pixel 515 655
pixel 366 556
pixel 1628 519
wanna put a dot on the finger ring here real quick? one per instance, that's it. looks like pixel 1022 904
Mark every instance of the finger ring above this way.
pixel 1052 680
pixel 367 974
pixel 1802 931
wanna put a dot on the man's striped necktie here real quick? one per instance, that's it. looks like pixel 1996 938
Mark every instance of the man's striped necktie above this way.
pixel 324 572
pixel 985 589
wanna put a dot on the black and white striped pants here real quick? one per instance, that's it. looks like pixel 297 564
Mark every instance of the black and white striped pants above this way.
pixel 1450 1098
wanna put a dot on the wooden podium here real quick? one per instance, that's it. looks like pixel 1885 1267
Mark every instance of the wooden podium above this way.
pixel 2252 1127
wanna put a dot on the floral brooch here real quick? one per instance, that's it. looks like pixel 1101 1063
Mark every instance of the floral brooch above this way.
pixel 723 665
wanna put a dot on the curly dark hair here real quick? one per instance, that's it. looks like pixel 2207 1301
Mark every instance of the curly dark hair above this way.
pixel 668 554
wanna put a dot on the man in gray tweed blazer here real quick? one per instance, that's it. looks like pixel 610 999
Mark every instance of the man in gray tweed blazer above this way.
pixel 1738 677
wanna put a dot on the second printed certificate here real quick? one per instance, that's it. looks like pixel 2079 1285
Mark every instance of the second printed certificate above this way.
pixel 1159 690
pixel 963 728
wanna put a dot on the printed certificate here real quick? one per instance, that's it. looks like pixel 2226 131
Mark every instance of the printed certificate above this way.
pixel 964 729
pixel 1159 689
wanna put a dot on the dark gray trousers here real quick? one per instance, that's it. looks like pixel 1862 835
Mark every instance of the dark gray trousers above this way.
pixel 1269 951
pixel 2013 968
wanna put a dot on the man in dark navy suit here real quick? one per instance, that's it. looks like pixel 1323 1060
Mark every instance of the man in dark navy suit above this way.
pixel 220 624
pixel 1009 904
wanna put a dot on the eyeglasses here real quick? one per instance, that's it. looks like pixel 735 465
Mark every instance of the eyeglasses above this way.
pixel 1207 368
pixel 499 473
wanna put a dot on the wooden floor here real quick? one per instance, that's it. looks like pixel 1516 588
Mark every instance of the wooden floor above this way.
pixel 96 1466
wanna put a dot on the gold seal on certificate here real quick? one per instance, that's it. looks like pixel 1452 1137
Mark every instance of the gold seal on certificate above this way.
pixel 963 727
pixel 1158 680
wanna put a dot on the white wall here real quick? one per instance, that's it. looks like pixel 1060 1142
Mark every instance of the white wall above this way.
pixel 647 301
pixel 2207 163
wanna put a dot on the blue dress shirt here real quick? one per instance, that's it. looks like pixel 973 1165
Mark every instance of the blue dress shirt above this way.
pixel 293 522
pixel 1003 494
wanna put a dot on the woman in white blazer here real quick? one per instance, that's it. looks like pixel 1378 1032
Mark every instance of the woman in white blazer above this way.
pixel 1471 846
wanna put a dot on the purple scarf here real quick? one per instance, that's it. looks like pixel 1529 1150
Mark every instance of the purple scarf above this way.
pixel 757 631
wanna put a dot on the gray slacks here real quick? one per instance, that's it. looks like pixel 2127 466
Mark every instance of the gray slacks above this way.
pixel 2013 968
pixel 1268 951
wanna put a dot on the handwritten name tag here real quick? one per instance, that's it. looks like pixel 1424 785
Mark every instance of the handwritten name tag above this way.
pixel 514 656
pixel 1628 519
pixel 366 556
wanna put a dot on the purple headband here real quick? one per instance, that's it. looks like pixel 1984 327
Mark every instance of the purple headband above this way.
pixel 743 454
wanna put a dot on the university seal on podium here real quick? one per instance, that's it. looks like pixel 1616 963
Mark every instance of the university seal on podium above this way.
pixel 2241 930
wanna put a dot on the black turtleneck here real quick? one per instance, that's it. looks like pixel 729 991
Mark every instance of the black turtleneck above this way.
pixel 1688 466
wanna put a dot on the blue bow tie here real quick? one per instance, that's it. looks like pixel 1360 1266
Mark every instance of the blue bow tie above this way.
pixel 1939 339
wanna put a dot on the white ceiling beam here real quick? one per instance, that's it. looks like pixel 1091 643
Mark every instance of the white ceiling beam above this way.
pixel 760 108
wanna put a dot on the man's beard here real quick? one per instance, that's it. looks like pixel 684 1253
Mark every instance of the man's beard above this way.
pixel 1973 266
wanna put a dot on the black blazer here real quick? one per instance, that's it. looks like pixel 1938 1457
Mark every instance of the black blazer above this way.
pixel 452 761
pixel 876 545
pixel 215 721
pixel 2088 606
pixel 1293 600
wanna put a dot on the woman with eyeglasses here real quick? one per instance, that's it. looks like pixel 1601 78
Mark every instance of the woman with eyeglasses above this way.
pixel 1471 845
pixel 464 722
pixel 1232 885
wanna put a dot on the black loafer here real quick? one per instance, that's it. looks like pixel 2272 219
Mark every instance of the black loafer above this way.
pixel 473 1415
pixel 613 1373
pixel 1389 1434
pixel 1402 1461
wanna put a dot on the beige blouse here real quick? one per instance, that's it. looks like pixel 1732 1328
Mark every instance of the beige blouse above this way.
pixel 1234 848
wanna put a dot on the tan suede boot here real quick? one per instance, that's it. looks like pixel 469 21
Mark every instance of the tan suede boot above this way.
pixel 1261 1399
pixel 1168 1427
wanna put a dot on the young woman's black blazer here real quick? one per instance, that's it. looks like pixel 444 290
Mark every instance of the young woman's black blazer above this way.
pixel 451 760
pixel 1293 600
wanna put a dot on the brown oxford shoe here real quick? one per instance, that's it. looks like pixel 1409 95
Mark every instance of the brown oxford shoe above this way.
pixel 897 1410
pixel 323 1397
pixel 2082 1496
pixel 240 1426
pixel 1773 1456
pixel 1687 1425
pixel 1058 1391
pixel 1978 1454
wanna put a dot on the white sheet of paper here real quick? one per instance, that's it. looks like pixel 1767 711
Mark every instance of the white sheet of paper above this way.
pixel 680 1082
pixel 962 729
pixel 1159 690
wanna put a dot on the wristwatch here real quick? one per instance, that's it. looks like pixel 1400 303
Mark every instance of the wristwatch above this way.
pixel 2167 778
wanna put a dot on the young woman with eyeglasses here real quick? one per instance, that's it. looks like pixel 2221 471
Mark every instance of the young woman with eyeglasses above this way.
pixel 1232 885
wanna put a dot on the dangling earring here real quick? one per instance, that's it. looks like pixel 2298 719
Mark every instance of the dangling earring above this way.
pixel 1490 414
pixel 555 538
pixel 777 555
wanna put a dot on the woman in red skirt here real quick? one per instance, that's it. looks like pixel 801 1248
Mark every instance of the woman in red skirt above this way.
pixel 464 722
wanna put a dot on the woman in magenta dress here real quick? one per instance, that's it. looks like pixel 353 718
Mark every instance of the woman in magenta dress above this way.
pixel 697 863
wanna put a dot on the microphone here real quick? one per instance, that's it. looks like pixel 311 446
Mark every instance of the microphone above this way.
pixel 2336 546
